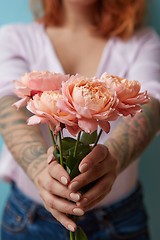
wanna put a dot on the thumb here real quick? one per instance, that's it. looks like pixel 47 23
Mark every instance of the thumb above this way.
pixel 98 154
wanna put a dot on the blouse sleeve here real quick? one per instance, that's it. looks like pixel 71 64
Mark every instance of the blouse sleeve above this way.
pixel 145 66
pixel 13 60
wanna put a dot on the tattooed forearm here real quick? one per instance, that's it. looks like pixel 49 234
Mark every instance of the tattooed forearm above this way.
pixel 133 135
pixel 24 142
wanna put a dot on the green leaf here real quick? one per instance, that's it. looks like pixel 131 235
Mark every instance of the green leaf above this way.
pixel 68 170
pixel 80 235
pixel 68 152
pixel 87 138
pixel 83 150
pixel 68 143
pixel 70 162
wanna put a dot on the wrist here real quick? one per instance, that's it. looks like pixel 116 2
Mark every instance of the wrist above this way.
pixel 116 155
pixel 36 167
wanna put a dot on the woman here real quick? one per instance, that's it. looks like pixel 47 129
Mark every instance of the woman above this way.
pixel 88 37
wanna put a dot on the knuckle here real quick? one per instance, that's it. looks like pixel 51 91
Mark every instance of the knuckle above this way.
pixel 109 188
pixel 67 208
pixel 55 214
pixel 102 149
pixel 64 193
pixel 40 194
pixel 38 180
pixel 62 221
pixel 67 194
pixel 50 203
pixel 97 171
pixel 49 186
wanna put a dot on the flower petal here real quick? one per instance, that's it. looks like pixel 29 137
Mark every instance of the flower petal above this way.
pixel 87 125
pixel 65 121
pixel 73 130
pixel 142 98
pixel 21 103
pixel 61 104
pixel 130 110
pixel 36 120
pixel 104 125
pixel 82 111
pixel 45 80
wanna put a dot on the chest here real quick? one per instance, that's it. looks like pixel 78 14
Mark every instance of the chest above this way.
pixel 78 53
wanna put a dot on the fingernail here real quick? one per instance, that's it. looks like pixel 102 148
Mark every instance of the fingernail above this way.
pixel 83 168
pixel 75 197
pixel 71 228
pixel 78 211
pixel 50 159
pixel 64 180
pixel 74 185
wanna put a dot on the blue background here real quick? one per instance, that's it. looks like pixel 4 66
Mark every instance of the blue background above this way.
pixel 18 11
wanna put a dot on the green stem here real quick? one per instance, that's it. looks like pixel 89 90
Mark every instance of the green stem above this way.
pixel 60 149
pixel 72 235
pixel 76 146
pixel 98 137
pixel 52 137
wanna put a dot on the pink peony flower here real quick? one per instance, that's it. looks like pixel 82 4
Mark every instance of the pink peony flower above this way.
pixel 37 82
pixel 91 101
pixel 128 94
pixel 45 108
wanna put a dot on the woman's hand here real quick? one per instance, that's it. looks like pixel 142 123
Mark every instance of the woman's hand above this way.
pixel 97 165
pixel 52 184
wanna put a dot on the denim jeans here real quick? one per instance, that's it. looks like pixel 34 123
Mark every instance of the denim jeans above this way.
pixel 24 219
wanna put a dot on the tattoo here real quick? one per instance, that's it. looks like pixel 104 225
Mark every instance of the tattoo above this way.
pixel 24 142
pixel 133 135
pixel 30 153
pixel 7 101
pixel 36 167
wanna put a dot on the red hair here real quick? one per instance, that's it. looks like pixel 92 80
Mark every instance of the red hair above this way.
pixel 114 18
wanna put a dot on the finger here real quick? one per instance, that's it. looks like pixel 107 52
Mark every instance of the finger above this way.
pixel 50 159
pixel 50 151
pixel 95 202
pixel 57 172
pixel 56 188
pixel 50 156
pixel 103 185
pixel 91 175
pixel 64 220
pixel 60 204
pixel 95 156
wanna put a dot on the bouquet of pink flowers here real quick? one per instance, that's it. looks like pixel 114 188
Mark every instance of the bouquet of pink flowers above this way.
pixel 80 105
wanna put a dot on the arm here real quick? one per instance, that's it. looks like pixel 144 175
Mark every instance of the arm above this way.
pixel 30 151
pixel 24 142
pixel 132 135
pixel 127 142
